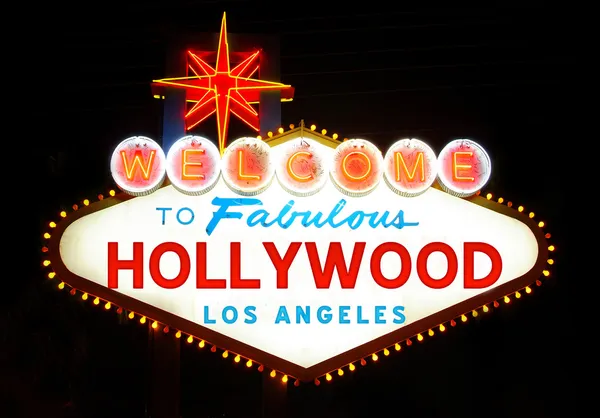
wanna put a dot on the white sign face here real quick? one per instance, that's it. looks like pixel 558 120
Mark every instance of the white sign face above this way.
pixel 266 271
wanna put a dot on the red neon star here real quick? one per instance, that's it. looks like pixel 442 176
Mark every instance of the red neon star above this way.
pixel 222 90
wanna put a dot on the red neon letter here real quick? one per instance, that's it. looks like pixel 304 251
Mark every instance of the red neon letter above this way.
pixel 282 265
pixel 114 265
pixel 236 270
pixel 201 281
pixel 405 268
pixel 422 265
pixel 130 169
pixel 349 169
pixel 470 281
pixel 241 165
pixel 458 166
pixel 402 168
pixel 186 161
pixel 184 265
pixel 335 260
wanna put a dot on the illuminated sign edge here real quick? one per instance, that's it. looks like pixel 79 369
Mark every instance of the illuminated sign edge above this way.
pixel 272 361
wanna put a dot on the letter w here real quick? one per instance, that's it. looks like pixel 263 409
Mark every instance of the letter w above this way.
pixel 137 162
pixel 335 261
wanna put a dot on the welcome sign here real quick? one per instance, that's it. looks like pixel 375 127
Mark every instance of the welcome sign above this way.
pixel 300 253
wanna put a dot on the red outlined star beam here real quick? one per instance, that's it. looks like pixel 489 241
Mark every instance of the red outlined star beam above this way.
pixel 223 90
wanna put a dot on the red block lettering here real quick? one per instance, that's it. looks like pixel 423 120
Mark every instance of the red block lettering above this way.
pixel 236 270
pixel 282 265
pixel 470 249
pixel 405 268
pixel 422 265
pixel 114 265
pixel 201 281
pixel 184 265
pixel 335 260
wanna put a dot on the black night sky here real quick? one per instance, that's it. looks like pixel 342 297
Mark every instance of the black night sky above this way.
pixel 376 70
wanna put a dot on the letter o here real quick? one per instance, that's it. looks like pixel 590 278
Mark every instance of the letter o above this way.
pixel 357 167
pixel 451 271
pixel 234 312
pixel 178 216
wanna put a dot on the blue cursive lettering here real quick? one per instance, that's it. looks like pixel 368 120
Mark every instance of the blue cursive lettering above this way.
pixel 287 217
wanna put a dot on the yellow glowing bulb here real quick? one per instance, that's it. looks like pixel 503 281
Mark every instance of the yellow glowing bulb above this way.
pixel 273 373
pixel 419 337
pixel 430 332
pixel 551 261
pixel 335 136
pixel 154 325
pixel 280 130
pixel 313 127
pixel 386 352
pixel 107 306
pixel 485 308
pixel 488 196
pixel 52 225
pixel 463 318
pixel 46 235
pixel 474 313
pixel 249 362
pixel 375 357
pixel 520 208
pixel 190 340
pixel 96 301
pixel 506 299
pixel 500 199
pixel 351 367
pixel 442 328
pixel 528 289
pixel 61 285
pixel 541 224
pixel 131 315
pixel 201 344
pixel 546 273
pixel 328 377
pixel 531 214
pixel 86 202
pixel 284 379
pixel 551 248
pixel 178 334
pixel 324 131
pixel 84 296
pixel 112 193
pixel 46 263
pixel 51 275
pixel 237 358
pixel 270 134
pixel 225 354
pixel 397 346
pixel 143 320
pixel 517 294
pixel 63 214
pixel 340 372
pixel 259 137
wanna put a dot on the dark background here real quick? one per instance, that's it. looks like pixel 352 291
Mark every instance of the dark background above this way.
pixel 500 75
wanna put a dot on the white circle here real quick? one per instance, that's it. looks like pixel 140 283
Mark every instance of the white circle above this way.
pixel 132 178
pixel 210 159
pixel 256 161
pixel 482 166
pixel 305 152
pixel 356 187
pixel 416 155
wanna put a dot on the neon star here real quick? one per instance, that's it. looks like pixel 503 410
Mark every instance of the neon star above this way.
pixel 223 90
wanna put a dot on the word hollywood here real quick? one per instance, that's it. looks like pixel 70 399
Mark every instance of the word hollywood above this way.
pixel 248 166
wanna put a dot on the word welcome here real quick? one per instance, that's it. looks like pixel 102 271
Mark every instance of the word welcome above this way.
pixel 322 266
pixel 324 314
pixel 193 165
pixel 286 217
